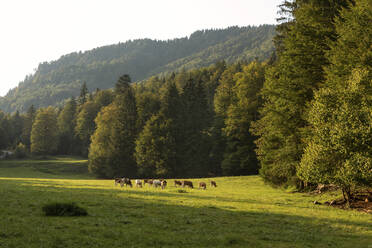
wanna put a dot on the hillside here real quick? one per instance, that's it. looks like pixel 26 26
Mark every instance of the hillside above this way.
pixel 55 81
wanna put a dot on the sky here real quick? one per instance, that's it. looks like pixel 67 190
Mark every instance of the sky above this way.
pixel 35 31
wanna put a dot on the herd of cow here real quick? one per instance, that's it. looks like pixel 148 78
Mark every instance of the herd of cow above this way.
pixel 160 183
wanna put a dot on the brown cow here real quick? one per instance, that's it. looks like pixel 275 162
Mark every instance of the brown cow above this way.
pixel 187 183
pixel 127 182
pixel 118 181
pixel 149 181
pixel 202 185
pixel 163 184
pixel 177 183
pixel 213 184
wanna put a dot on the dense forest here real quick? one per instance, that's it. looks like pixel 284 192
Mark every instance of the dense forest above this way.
pixel 54 82
pixel 300 118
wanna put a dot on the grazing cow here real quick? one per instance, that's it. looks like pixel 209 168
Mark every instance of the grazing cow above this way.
pixel 126 182
pixel 177 183
pixel 138 183
pixel 187 183
pixel 119 181
pixel 202 185
pixel 163 184
pixel 213 184
pixel 156 183
pixel 149 181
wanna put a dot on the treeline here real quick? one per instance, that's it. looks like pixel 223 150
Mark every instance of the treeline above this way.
pixel 187 124
pixel 302 118
pixel 56 81
pixel 316 122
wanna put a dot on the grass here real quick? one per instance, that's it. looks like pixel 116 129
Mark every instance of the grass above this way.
pixel 240 212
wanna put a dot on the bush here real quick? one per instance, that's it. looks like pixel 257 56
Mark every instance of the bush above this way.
pixel 64 209
pixel 20 151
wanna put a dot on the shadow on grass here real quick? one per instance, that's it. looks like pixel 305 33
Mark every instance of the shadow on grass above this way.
pixel 140 222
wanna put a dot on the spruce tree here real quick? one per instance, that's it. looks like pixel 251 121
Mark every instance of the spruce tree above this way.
pixel 111 152
pixel 289 86
pixel 240 157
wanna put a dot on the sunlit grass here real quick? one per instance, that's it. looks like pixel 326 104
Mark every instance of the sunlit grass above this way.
pixel 240 212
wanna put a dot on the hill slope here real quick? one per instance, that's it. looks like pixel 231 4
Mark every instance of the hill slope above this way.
pixel 55 81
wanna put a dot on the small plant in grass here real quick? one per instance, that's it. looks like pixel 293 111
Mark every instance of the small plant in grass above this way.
pixel 181 191
pixel 64 209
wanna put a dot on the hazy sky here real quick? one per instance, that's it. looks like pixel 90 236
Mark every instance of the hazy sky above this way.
pixel 34 31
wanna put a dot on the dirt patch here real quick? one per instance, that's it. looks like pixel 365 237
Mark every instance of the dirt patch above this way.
pixel 361 202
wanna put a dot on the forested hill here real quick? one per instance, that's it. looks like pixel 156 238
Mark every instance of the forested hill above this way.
pixel 53 82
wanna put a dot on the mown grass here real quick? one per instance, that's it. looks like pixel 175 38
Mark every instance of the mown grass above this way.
pixel 240 212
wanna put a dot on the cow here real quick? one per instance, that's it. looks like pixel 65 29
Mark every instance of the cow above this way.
pixel 163 184
pixel 176 182
pixel 138 183
pixel 118 181
pixel 202 185
pixel 149 181
pixel 126 182
pixel 187 183
pixel 156 183
pixel 213 184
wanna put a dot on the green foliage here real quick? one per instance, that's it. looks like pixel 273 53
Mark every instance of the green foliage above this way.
pixel 340 149
pixel 66 126
pixel 339 144
pixel 156 148
pixel 112 148
pixel 54 82
pixel 44 134
pixel 240 158
pixel 289 86
pixel 63 209
pixel 20 151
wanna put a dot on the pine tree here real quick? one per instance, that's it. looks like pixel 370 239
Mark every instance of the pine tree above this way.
pixel 289 86
pixel 240 157
pixel 83 93
pixel 157 147
pixel 111 152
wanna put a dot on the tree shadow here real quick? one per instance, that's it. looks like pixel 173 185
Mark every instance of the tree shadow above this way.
pixel 137 222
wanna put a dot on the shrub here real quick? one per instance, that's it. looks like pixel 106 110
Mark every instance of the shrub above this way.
pixel 63 209
pixel 20 151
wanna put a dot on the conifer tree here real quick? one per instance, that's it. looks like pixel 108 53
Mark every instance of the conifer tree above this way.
pixel 289 86
pixel 157 147
pixel 111 152
pixel 240 157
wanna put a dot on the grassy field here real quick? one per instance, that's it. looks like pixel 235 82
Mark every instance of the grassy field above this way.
pixel 240 212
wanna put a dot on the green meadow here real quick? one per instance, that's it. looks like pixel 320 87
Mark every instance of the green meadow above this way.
pixel 240 212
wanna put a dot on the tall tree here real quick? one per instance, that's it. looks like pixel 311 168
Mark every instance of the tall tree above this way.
pixel 66 126
pixel 83 93
pixel 157 147
pixel 339 149
pixel 113 142
pixel 289 86
pixel 240 157
pixel 44 134
pixel 27 127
